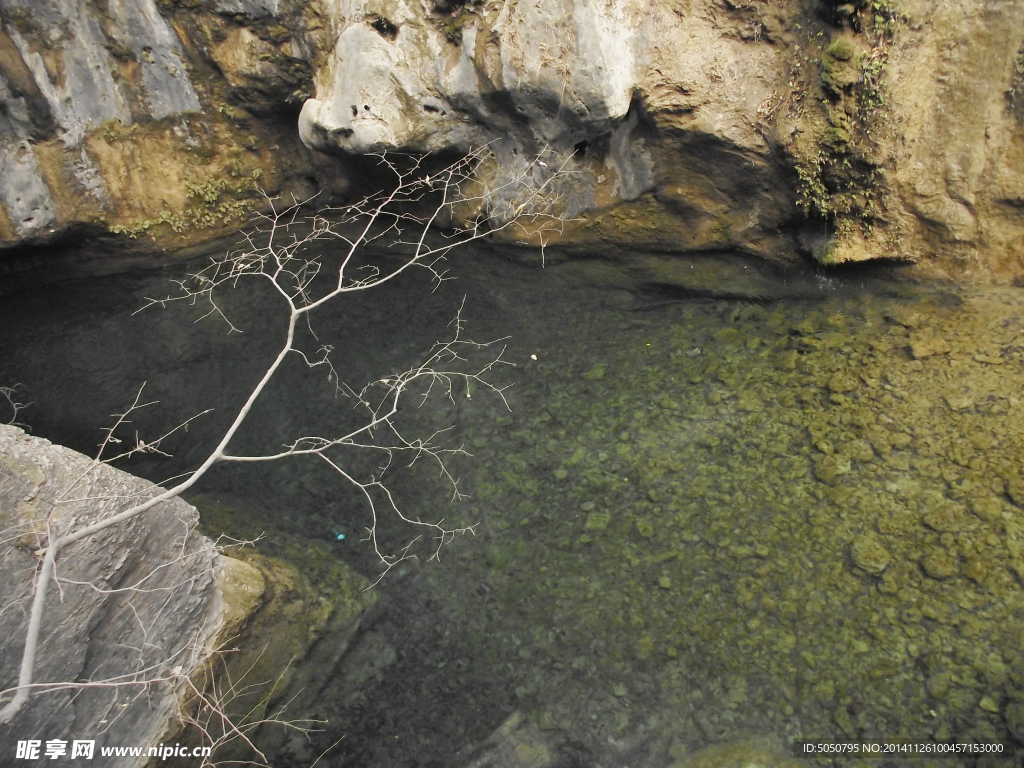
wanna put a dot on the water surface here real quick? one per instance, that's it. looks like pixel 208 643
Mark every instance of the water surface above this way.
pixel 700 521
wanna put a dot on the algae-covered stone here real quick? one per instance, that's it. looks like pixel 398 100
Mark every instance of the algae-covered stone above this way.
pixel 924 345
pixel 518 743
pixel 989 704
pixel 870 554
pixel 976 569
pixel 959 402
pixel 1015 489
pixel 940 564
pixel 988 359
pixel 597 521
pixel 938 684
pixel 242 586
pixel 843 382
pixel 828 468
pixel 1014 718
pixel 841 717
pixel 749 401
pixel 787 359
pixel 858 450
pixel 644 528
pixel 752 752
pixel 987 508
pixel 942 515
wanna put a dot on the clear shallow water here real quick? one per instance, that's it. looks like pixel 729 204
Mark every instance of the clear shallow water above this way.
pixel 702 521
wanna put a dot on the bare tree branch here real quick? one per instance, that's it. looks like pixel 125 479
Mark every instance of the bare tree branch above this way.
pixel 278 251
pixel 10 407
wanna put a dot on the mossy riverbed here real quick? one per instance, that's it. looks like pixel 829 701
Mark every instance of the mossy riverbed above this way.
pixel 701 521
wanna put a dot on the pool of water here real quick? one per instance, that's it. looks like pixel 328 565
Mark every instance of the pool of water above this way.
pixel 698 521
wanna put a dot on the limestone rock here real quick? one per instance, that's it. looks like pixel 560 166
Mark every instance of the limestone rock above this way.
pixel 677 126
pixel 253 8
pixel 601 94
pixel 91 634
pixel 30 207
pixel 117 116
pixel 870 554
pixel 770 130
pixel 926 345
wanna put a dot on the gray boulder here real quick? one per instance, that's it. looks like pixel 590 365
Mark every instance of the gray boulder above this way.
pixel 133 608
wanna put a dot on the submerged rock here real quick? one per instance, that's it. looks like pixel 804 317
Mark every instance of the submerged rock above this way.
pixel 926 345
pixel 870 554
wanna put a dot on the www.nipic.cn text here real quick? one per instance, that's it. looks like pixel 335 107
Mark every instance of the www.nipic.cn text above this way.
pixel 52 749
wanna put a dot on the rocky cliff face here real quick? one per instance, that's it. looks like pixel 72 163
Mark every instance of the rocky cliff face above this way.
pixel 869 129
pixel 163 119
pixel 849 130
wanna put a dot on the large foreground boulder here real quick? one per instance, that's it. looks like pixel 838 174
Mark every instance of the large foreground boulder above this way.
pixel 133 608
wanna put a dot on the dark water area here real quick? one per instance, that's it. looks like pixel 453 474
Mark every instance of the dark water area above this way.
pixel 698 522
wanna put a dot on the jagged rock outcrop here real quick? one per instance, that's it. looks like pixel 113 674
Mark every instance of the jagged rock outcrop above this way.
pixel 849 130
pixel 152 599
pixel 163 119
pixel 140 602
pixel 845 130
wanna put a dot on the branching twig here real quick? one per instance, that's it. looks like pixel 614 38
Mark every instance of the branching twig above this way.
pixel 10 404
pixel 278 253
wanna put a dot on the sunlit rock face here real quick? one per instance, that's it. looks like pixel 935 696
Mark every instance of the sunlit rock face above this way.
pixel 67 86
pixel 611 90
pixel 422 76
pixel 554 77
pixel 161 121
pixel 842 130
